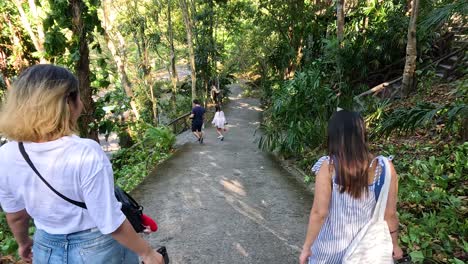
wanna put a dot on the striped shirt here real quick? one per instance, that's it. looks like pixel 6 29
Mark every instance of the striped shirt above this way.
pixel 346 217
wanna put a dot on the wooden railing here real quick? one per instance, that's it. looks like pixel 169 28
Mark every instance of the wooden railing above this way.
pixel 184 123
pixel 384 85
pixel 180 124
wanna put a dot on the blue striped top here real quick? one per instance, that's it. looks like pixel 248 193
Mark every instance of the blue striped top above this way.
pixel 346 217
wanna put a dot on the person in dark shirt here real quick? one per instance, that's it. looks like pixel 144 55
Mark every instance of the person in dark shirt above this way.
pixel 197 115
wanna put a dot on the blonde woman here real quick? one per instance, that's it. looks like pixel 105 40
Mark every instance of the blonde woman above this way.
pixel 42 110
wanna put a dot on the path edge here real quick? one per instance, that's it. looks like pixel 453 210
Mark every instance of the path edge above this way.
pixel 294 170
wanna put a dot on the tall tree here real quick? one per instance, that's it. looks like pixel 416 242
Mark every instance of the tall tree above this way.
pixel 32 22
pixel 189 29
pixel 73 50
pixel 286 20
pixel 170 33
pixel 409 78
pixel 117 46
pixel 82 70
pixel 340 5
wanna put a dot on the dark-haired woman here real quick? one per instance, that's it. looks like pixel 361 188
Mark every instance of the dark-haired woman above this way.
pixel 41 110
pixel 348 183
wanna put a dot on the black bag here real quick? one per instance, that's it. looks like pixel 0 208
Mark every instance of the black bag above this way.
pixel 131 209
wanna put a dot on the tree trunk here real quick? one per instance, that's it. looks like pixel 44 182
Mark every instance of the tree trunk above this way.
pixel 119 54
pixel 154 103
pixel 340 20
pixel 409 78
pixel 174 77
pixel 19 62
pixel 38 40
pixel 297 38
pixel 38 21
pixel 87 123
pixel 188 28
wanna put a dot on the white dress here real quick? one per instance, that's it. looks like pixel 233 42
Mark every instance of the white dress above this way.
pixel 219 120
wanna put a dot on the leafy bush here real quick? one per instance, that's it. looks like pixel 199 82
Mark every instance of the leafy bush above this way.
pixel 8 245
pixel 7 241
pixel 160 138
pixel 132 165
pixel 298 115
pixel 422 115
pixel 432 202
pixel 182 105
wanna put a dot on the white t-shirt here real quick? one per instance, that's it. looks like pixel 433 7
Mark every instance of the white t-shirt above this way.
pixel 75 167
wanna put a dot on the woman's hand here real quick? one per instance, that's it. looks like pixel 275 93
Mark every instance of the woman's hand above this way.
pixel 397 252
pixel 304 257
pixel 25 250
pixel 153 258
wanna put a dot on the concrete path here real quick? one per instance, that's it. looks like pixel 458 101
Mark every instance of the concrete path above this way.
pixel 227 202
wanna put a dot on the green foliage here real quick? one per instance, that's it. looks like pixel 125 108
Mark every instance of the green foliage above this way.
pixel 422 115
pixel 16 49
pixel 61 47
pixel 183 104
pixel 160 138
pixel 432 201
pixel 131 165
pixel 365 50
pixel 297 118
pixel 7 241
pixel 441 13
pixel 8 245
pixel 55 42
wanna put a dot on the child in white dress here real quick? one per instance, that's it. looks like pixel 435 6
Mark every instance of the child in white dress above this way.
pixel 219 121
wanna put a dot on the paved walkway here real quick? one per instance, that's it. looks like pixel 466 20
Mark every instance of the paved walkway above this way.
pixel 227 202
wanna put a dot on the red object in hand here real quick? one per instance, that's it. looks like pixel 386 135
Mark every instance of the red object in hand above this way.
pixel 147 221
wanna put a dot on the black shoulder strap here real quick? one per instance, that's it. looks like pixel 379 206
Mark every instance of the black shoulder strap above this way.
pixel 28 160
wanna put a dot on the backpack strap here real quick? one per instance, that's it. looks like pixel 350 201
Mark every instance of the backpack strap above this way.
pixel 381 204
pixel 28 160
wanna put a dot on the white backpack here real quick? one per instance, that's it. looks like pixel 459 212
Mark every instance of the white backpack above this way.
pixel 373 244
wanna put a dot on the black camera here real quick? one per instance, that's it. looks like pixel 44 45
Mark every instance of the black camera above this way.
pixel 163 252
pixel 406 259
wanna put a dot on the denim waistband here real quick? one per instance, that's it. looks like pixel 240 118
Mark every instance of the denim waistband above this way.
pixel 68 239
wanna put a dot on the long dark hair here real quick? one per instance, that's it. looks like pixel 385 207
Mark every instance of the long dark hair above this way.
pixel 347 146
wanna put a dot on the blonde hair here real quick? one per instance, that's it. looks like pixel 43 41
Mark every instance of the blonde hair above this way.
pixel 36 107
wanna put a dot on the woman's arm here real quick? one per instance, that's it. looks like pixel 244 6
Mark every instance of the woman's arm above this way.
pixel 97 186
pixel 319 211
pixel 19 225
pixel 127 236
pixel 391 212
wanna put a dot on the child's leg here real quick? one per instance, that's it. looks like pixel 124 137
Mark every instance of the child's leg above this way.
pixel 218 130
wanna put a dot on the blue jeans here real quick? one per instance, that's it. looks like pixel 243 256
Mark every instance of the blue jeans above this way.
pixel 85 247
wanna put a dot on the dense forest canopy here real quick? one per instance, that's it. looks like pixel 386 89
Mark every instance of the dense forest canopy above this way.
pixel 140 64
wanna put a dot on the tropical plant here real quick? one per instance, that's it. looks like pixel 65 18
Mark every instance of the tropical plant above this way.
pixel 131 165
pixel 159 138
pixel 405 120
pixel 297 118
pixel 432 199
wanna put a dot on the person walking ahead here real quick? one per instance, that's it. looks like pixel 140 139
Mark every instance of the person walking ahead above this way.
pixel 348 183
pixel 197 116
pixel 219 121
pixel 41 110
